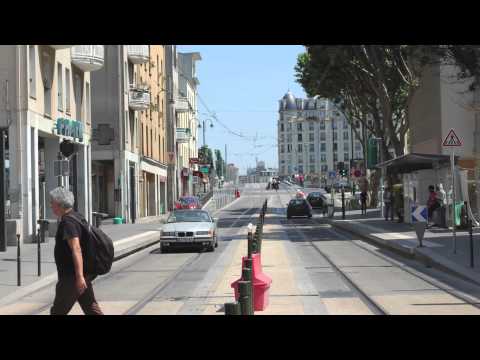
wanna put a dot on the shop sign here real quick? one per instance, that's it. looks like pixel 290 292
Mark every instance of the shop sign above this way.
pixel 71 128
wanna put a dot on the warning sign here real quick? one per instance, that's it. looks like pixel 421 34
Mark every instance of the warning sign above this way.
pixel 452 139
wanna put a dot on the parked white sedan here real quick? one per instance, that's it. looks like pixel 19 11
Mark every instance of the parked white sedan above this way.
pixel 189 228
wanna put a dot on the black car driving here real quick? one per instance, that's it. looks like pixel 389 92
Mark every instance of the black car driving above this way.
pixel 299 207
pixel 315 199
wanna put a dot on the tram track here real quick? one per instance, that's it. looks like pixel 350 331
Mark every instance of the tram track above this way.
pixel 378 309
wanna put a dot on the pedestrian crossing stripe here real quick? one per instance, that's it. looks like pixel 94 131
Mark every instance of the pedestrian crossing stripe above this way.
pixel 452 139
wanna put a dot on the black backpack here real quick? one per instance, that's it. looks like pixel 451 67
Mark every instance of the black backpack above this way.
pixel 101 245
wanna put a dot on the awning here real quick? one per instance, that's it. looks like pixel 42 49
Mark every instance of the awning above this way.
pixel 412 162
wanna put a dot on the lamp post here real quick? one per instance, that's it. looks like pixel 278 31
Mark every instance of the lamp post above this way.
pixel 378 140
pixel 204 128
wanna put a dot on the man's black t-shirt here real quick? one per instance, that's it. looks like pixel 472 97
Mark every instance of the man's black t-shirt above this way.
pixel 69 228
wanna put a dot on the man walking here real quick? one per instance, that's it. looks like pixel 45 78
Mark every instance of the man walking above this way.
pixel 363 200
pixel 73 257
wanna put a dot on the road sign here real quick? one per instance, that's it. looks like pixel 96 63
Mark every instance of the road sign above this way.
pixel 452 139
pixel 332 174
pixel 204 169
pixel 419 213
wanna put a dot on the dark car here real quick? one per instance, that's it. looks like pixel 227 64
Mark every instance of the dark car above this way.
pixel 299 207
pixel 316 200
pixel 188 202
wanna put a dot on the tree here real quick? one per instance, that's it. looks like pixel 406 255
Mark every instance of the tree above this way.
pixel 372 84
pixel 219 163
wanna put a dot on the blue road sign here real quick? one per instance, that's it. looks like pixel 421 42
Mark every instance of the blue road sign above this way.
pixel 419 213
pixel 332 174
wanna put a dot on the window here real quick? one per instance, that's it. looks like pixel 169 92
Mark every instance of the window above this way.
pixel 312 158
pixel 299 137
pixel 300 169
pixel 312 148
pixel 289 148
pixel 335 136
pixel 300 148
pixel 345 157
pixel 322 124
pixel 335 157
pixel 345 124
pixel 289 137
pixel 281 127
pixel 299 126
pixel 345 135
pixel 324 168
pixel 311 125
pixel 312 169
pixel 323 157
pixel 282 149
pixel 358 146
pixel 60 86
pixel 323 136
pixel 323 147
pixel 289 126
pixel 357 124
pixel 282 137
pixel 311 137
pixel 67 91
pixel 335 146
pixel 300 160
pixel 345 146
pixel 31 68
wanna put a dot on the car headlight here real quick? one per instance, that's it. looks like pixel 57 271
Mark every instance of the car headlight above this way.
pixel 210 232
pixel 168 233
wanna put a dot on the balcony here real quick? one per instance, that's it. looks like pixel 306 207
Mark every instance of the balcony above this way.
pixel 138 98
pixel 138 54
pixel 181 104
pixel 61 47
pixel 183 135
pixel 88 57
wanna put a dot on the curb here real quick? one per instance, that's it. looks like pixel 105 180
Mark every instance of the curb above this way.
pixel 423 255
pixel 148 240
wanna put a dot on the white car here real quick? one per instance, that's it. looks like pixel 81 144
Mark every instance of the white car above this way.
pixel 189 228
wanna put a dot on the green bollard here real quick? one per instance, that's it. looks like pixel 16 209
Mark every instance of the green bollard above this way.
pixel 250 245
pixel 232 309
pixel 247 275
pixel 245 291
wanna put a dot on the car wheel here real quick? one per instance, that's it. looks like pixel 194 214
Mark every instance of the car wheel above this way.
pixel 216 242
pixel 163 249
pixel 211 248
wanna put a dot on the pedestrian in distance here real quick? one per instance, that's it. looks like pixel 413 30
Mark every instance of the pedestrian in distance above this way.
pixel 387 200
pixel 74 258
pixel 363 200
pixel 433 202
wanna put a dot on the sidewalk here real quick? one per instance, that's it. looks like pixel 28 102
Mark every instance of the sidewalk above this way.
pixel 126 237
pixel 437 247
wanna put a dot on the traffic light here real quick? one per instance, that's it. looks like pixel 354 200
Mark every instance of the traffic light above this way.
pixel 343 172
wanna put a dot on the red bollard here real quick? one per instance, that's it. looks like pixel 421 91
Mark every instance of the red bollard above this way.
pixel 261 284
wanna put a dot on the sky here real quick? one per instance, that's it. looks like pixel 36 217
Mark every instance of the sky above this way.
pixel 242 84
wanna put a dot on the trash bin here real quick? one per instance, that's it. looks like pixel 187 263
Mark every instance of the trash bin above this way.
pixel 117 220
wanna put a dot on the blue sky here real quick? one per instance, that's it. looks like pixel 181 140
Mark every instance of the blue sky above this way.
pixel 242 85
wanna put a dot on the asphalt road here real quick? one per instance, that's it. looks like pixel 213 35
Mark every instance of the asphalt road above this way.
pixel 335 273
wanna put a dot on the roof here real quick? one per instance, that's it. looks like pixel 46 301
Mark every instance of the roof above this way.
pixel 289 101
pixel 415 161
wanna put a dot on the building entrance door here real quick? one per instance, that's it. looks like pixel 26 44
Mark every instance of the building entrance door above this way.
pixel 133 213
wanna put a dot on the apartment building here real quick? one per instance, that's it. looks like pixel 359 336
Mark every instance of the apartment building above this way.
pixel 186 120
pixel 314 138
pixel 47 91
pixel 153 167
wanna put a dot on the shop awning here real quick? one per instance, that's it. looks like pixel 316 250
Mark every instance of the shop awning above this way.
pixel 415 161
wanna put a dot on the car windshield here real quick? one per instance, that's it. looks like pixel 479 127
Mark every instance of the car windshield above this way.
pixel 189 216
pixel 297 202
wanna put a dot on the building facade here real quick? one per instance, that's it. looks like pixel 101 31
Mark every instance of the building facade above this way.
pixel 47 91
pixel 186 121
pixel 128 160
pixel 153 167
pixel 314 138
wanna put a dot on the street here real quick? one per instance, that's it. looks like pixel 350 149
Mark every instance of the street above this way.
pixel 316 268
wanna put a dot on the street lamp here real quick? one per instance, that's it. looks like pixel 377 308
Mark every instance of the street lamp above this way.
pixel 378 140
pixel 204 128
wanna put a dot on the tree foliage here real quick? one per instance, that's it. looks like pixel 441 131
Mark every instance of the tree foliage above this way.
pixel 219 163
